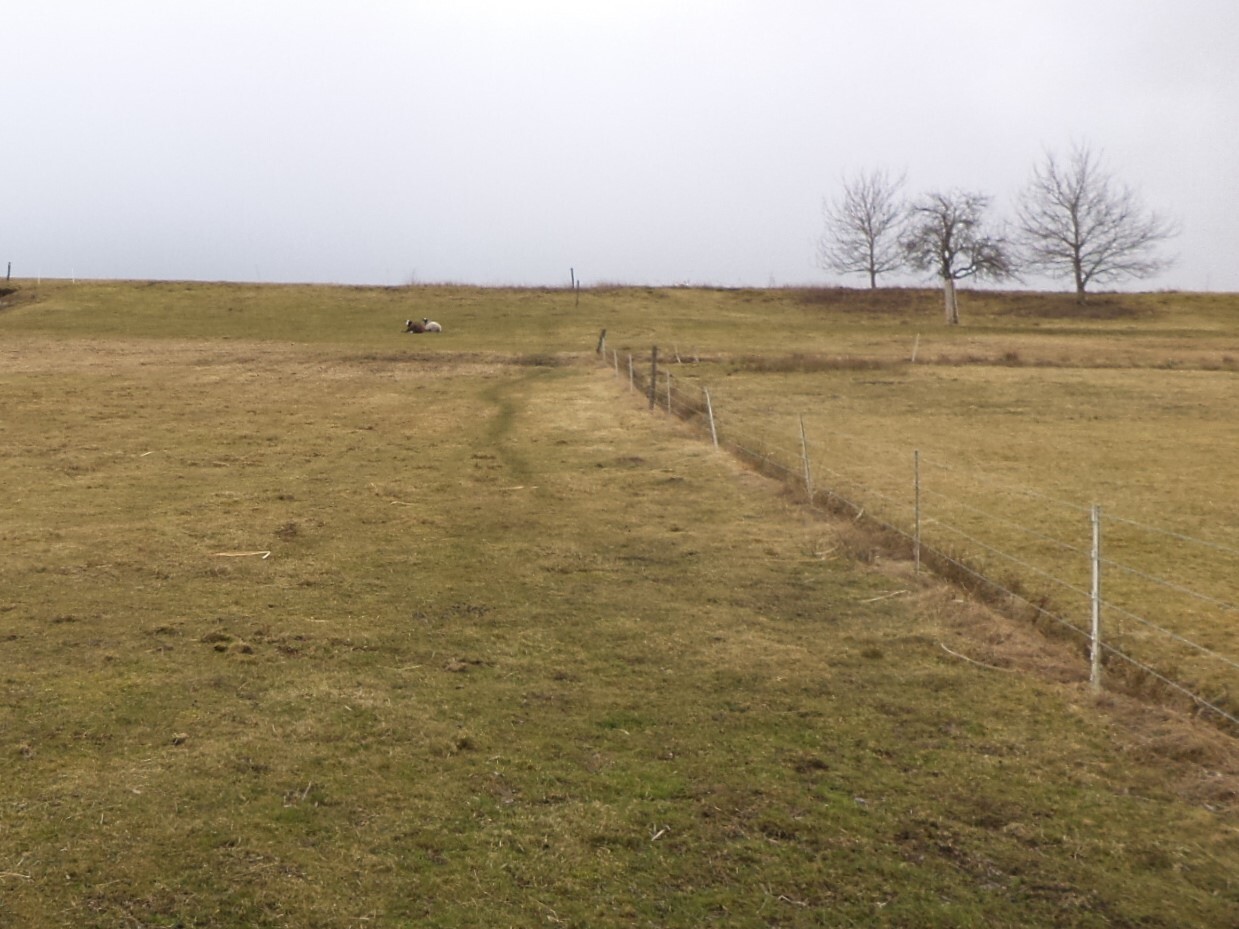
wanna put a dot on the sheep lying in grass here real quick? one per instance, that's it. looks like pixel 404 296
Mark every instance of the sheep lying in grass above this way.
pixel 431 326
pixel 410 326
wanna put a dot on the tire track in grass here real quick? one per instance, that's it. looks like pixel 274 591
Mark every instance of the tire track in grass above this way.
pixel 509 398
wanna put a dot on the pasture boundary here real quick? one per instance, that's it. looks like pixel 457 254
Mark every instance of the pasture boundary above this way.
pixel 1083 592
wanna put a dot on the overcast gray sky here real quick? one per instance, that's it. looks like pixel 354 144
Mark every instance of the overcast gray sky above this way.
pixel 637 141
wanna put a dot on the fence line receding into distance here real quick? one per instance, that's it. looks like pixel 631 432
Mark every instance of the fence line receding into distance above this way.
pixel 1066 573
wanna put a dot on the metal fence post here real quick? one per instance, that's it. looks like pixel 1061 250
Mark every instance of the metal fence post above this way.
pixel 804 454
pixel 916 532
pixel 653 376
pixel 710 413
pixel 1095 598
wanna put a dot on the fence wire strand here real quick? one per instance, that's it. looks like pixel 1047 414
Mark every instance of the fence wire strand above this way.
pixel 1169 585
pixel 1174 535
pixel 926 493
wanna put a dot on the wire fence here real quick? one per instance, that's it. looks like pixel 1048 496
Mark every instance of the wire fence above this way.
pixel 1093 576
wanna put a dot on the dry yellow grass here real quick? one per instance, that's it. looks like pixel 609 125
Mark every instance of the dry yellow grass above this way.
pixel 1021 429
pixel 521 653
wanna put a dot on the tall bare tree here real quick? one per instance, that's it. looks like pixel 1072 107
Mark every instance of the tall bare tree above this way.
pixel 946 236
pixel 1074 219
pixel 862 226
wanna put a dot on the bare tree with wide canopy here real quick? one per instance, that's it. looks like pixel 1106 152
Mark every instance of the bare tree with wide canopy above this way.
pixel 1074 219
pixel 946 235
pixel 862 227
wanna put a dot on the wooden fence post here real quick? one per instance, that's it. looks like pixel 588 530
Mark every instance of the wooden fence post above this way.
pixel 602 342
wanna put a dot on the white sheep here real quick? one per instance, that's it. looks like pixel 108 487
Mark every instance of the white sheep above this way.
pixel 431 326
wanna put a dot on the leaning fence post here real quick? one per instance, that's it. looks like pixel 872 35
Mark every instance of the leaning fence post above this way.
pixel 653 376
pixel 602 342
pixel 632 376
pixel 804 454
pixel 710 413
pixel 1095 598
pixel 668 391
pixel 916 531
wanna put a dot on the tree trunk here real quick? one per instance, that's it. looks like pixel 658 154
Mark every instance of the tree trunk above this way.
pixel 952 304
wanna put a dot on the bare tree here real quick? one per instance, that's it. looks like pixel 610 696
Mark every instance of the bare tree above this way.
pixel 1076 219
pixel 862 227
pixel 946 236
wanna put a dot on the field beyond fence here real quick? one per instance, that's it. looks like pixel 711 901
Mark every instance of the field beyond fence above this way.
pixel 1112 547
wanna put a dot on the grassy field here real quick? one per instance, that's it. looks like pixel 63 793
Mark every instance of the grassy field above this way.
pixel 1129 404
pixel 306 622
